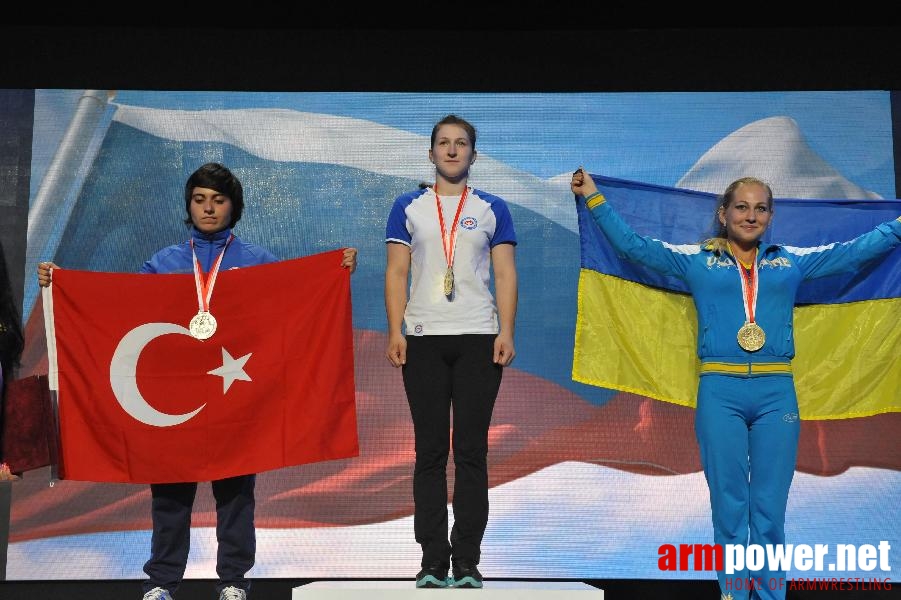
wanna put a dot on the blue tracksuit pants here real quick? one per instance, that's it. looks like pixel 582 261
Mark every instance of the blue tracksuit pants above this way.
pixel 171 539
pixel 747 430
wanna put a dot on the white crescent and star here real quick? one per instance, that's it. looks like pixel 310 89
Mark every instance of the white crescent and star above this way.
pixel 124 382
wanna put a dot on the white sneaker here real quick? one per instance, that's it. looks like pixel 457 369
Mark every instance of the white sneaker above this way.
pixel 233 593
pixel 158 593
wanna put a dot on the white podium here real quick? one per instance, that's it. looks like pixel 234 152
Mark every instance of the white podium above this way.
pixel 406 590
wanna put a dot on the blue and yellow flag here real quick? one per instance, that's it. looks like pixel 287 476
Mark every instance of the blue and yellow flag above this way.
pixel 636 330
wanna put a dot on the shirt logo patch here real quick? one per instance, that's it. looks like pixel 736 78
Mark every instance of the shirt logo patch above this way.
pixel 721 262
pixel 469 223
pixel 790 417
pixel 778 262
pixel 417 329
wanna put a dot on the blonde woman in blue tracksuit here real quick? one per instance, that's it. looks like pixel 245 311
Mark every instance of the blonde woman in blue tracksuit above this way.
pixel 747 412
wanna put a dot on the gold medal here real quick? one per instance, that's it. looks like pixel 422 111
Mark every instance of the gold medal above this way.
pixel 449 282
pixel 203 325
pixel 751 337
pixel 449 242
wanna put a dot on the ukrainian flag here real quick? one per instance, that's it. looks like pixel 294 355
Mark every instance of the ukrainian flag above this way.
pixel 636 330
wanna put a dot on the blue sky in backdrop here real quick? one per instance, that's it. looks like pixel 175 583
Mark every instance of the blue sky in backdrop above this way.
pixel 547 134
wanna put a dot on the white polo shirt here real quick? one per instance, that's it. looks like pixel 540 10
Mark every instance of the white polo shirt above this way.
pixel 484 223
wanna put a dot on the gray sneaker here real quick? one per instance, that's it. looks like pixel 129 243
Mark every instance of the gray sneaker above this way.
pixel 233 593
pixel 158 593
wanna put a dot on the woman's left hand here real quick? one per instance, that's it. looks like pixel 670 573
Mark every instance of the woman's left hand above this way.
pixel 503 349
pixel 350 259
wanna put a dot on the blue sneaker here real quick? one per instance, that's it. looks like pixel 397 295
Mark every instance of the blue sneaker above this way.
pixel 466 574
pixel 433 576
pixel 158 593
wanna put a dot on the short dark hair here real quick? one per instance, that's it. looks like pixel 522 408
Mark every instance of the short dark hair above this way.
pixel 216 177
pixel 455 120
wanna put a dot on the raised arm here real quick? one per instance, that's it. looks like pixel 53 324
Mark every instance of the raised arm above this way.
pixel 664 258
pixel 848 257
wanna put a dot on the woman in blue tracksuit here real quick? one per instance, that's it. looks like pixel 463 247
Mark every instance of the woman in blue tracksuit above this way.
pixel 214 202
pixel 747 413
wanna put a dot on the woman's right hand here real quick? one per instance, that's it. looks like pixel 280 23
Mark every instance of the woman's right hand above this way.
pixel 397 350
pixel 44 273
pixel 582 184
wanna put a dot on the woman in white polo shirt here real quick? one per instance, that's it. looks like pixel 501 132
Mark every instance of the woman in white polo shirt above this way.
pixel 457 342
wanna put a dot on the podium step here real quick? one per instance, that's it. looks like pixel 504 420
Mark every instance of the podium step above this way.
pixel 405 590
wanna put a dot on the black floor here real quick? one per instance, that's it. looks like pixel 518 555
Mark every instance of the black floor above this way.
pixel 280 589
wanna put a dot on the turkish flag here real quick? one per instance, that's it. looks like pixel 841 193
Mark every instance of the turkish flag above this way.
pixel 141 400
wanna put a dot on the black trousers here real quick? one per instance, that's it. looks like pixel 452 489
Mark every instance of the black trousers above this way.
pixel 444 371
pixel 171 540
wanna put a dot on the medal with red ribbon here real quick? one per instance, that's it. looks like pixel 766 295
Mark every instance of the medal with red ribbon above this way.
pixel 449 242
pixel 204 324
pixel 751 336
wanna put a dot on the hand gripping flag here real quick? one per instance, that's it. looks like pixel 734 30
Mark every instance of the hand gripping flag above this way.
pixel 636 330
pixel 140 400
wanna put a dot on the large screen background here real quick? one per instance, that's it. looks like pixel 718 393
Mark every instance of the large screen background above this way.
pixel 585 483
